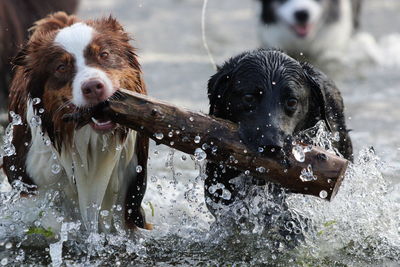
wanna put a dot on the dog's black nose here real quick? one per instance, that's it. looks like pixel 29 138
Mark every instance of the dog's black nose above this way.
pixel 301 16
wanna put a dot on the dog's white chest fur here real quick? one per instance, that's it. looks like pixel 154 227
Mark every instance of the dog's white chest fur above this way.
pixel 95 170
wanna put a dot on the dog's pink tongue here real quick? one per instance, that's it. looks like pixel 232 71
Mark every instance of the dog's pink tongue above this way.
pixel 302 30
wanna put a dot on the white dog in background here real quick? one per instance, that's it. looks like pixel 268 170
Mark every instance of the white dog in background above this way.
pixel 313 28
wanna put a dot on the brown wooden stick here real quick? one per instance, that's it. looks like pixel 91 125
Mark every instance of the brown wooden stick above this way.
pixel 187 131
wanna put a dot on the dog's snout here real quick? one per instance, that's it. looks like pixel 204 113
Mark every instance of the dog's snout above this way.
pixel 302 16
pixel 94 90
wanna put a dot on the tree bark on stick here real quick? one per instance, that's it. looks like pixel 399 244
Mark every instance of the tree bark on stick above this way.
pixel 320 174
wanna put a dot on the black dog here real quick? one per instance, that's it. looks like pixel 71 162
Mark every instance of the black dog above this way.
pixel 272 97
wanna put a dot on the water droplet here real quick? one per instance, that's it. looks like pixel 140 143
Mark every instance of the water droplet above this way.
pixel 199 154
pixel 247 172
pixel 273 83
pixel 119 207
pixel 307 175
pixel 336 137
pixel 153 179
pixel 183 158
pixel 170 134
pixel 46 141
pixel 55 168
pixel 104 213
pixel 260 149
pixel 226 194
pixel 118 148
pixel 12 168
pixel 36 121
pixel 156 152
pixel 159 187
pixel 4 261
pixel 16 119
pixel 159 136
pixel 191 119
pixel 36 101
pixel 9 149
pixel 139 169
pixel 8 245
pixel 197 139
pixel 205 146
pixel 41 110
pixel 298 153
pixel 323 194
pixel 261 169
pixel 213 188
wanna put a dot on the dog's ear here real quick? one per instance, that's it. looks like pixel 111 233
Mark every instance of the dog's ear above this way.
pixel 267 12
pixel 53 22
pixel 217 86
pixel 112 23
pixel 20 58
pixel 318 82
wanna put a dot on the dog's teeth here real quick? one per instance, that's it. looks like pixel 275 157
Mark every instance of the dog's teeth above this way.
pixel 95 121
pixel 100 123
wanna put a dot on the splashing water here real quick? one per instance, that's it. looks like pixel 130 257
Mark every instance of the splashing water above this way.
pixel 361 222
pixel 7 147
pixel 267 225
pixel 298 153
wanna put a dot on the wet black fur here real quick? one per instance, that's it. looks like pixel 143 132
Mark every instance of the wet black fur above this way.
pixel 253 89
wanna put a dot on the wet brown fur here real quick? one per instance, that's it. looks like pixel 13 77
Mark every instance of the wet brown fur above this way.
pixel 16 17
pixel 36 78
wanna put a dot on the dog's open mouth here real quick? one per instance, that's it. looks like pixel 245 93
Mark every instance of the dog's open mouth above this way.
pixel 102 124
pixel 302 30
pixel 97 117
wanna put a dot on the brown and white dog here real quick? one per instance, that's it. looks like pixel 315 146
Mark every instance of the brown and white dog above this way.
pixel 69 65
pixel 16 17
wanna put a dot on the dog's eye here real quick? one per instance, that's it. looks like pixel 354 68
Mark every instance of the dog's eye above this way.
pixel 104 55
pixel 291 103
pixel 249 99
pixel 61 68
